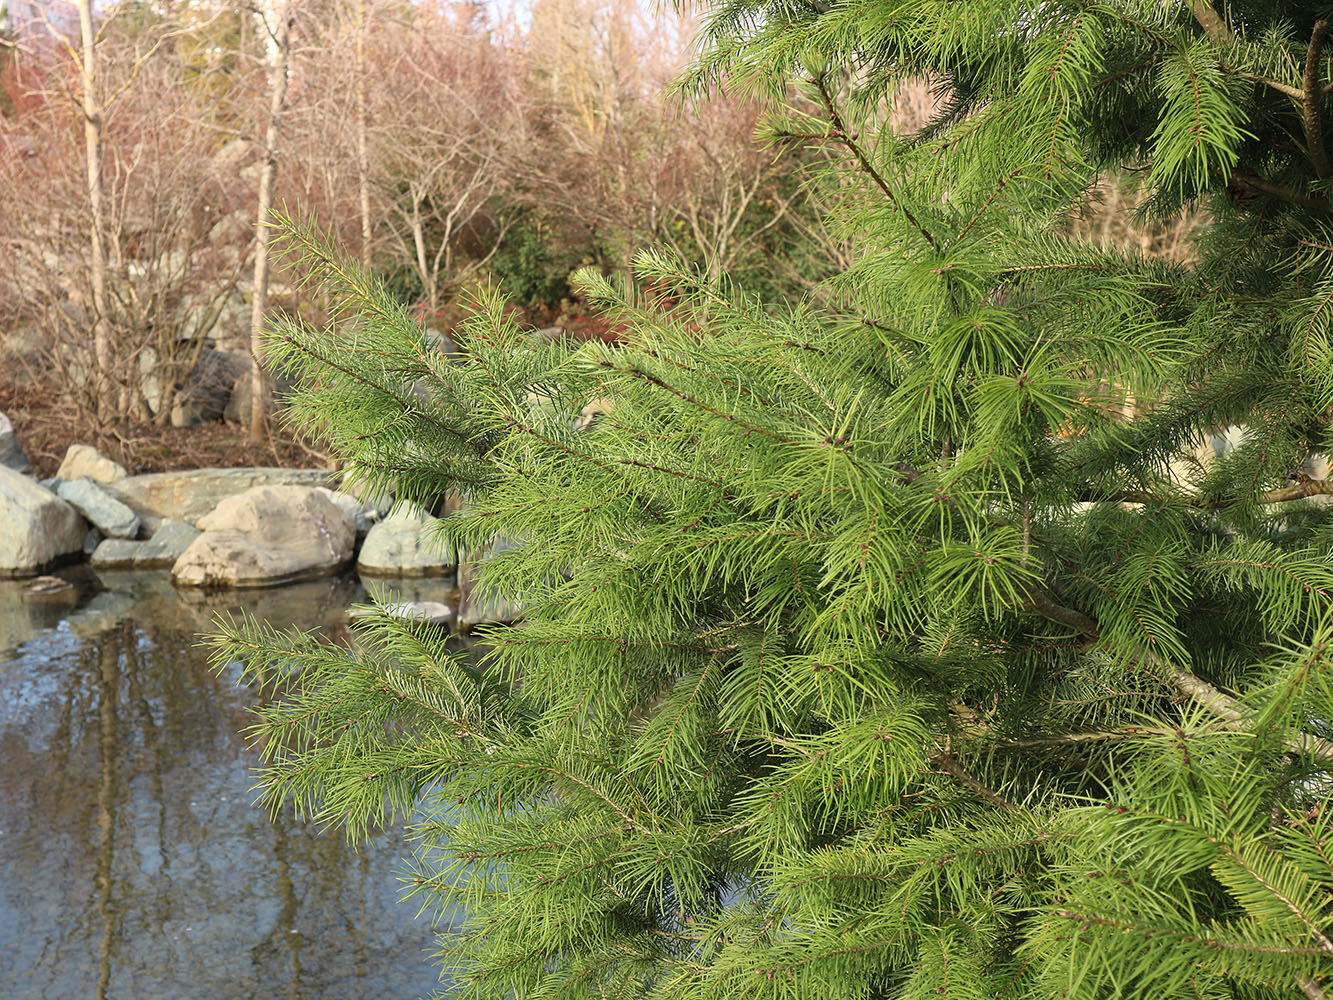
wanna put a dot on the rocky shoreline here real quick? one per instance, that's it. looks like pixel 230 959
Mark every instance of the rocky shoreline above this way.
pixel 218 528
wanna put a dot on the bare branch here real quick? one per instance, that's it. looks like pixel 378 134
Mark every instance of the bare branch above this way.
pixel 947 763
pixel 1256 183
pixel 1228 710
pixel 1314 131
pixel 1211 22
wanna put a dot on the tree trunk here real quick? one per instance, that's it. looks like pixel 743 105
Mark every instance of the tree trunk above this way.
pixel 279 53
pixel 362 125
pixel 100 380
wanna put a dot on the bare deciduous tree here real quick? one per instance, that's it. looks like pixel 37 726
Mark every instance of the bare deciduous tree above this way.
pixel 276 18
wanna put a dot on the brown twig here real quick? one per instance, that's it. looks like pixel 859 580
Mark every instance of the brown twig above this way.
pixel 1314 130
pixel 841 134
pixel 947 763
pixel 1256 183
pixel 1309 987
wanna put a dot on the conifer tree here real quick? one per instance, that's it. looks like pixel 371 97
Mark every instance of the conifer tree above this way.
pixel 899 649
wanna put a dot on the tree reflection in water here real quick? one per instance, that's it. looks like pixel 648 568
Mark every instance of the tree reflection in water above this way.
pixel 132 863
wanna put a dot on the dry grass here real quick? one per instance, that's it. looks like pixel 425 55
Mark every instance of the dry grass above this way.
pixel 46 427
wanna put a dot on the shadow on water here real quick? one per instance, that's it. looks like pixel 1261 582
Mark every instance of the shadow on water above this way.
pixel 132 861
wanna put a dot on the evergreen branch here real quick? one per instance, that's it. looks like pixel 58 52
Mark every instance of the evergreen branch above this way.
pixel 1270 886
pixel 1083 624
pixel 847 139
pixel 1223 706
pixel 1065 739
pixel 679 394
pixel 1256 183
pixel 407 406
pixel 947 763
pixel 1285 494
pixel 1139 928
pixel 999 189
pixel 1314 130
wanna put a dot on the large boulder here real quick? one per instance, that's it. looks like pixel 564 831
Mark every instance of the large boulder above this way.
pixel 266 536
pixel 406 543
pixel 83 462
pixel 107 514
pixel 11 452
pixel 207 392
pixel 37 528
pixel 161 551
pixel 189 495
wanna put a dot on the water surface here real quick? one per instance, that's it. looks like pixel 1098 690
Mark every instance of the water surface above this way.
pixel 132 861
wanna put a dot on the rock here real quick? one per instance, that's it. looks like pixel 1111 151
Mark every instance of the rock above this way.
pixel 189 495
pixel 475 609
pixel 11 452
pixel 242 391
pixel 380 503
pixel 364 515
pixel 266 536
pixel 161 551
pixel 432 612
pixel 36 527
pixel 116 553
pixel 208 391
pixel 47 585
pixel 106 513
pixel 168 544
pixel 83 462
pixel 91 540
pixel 406 543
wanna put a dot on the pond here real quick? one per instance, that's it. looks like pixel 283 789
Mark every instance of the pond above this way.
pixel 133 862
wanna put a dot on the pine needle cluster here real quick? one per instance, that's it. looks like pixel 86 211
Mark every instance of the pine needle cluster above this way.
pixel 908 647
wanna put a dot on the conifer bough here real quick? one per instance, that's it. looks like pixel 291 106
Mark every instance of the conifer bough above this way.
pixel 899 647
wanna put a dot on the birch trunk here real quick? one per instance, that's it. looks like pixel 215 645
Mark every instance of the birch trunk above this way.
pixel 278 47
pixel 362 126
pixel 100 376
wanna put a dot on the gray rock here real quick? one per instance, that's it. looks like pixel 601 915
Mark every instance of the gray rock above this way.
pixel 36 526
pixel 161 551
pixel 168 544
pixel 406 543
pixel 116 553
pixel 189 495
pixel 83 462
pixel 364 515
pixel 432 612
pixel 91 540
pixel 475 608
pixel 380 503
pixel 108 515
pixel 266 536
pixel 208 390
pixel 11 452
